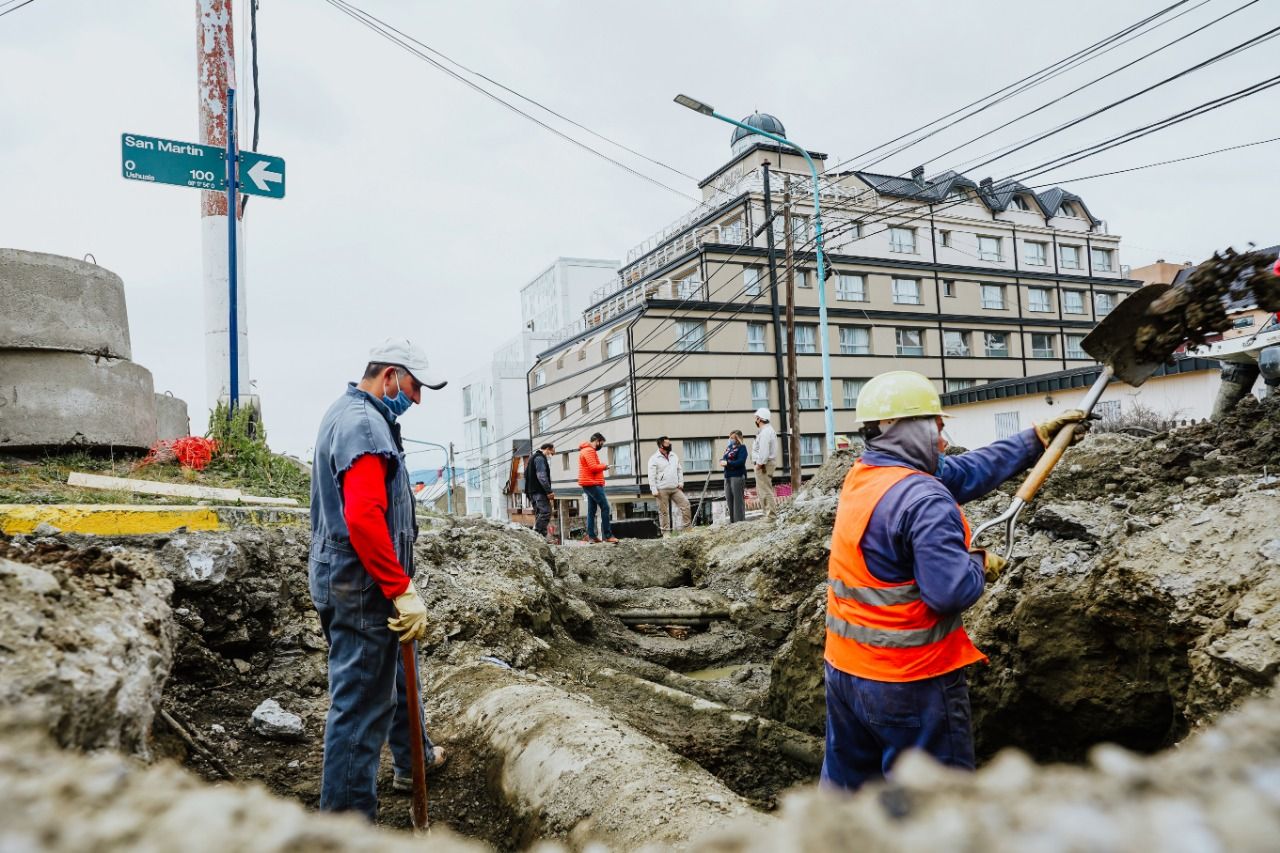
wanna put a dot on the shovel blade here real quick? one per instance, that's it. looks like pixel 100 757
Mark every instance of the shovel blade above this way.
pixel 1113 341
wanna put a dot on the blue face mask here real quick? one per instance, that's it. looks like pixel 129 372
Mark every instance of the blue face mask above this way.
pixel 400 403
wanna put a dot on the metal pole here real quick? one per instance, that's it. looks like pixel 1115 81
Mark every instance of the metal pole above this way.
pixel 451 484
pixel 784 418
pixel 793 370
pixel 822 269
pixel 233 324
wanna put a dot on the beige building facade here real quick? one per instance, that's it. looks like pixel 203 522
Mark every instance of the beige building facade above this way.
pixel 965 281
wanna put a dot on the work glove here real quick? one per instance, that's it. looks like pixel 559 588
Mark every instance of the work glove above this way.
pixel 992 564
pixel 410 621
pixel 1047 430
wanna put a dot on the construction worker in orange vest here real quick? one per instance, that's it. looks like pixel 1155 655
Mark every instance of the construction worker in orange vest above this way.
pixel 900 576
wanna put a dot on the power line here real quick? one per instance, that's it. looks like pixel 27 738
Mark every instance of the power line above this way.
pixel 16 8
pixel 371 24
pixel 1165 162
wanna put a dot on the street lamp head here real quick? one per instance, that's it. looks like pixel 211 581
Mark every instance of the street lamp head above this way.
pixel 694 104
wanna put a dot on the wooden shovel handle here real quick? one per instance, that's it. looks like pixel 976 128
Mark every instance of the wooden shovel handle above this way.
pixel 1052 454
pixel 418 809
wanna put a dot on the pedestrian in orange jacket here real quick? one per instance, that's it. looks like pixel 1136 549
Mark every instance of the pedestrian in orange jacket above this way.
pixel 591 479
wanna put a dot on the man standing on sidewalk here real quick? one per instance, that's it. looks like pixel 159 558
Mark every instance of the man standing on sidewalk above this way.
pixel 537 485
pixel 361 575
pixel 764 456
pixel 591 478
pixel 666 482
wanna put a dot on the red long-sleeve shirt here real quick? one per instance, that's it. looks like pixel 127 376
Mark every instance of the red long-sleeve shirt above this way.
pixel 364 499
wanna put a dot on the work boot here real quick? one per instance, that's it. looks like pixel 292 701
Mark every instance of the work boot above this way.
pixel 611 539
pixel 404 784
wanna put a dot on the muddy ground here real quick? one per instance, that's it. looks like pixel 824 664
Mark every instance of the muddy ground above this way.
pixel 647 692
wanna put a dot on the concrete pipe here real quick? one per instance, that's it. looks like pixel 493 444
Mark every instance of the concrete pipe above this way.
pixel 52 302
pixel 56 399
pixel 171 417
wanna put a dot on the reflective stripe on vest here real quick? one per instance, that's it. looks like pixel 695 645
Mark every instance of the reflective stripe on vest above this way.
pixel 877 629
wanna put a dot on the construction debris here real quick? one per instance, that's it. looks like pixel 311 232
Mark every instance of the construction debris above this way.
pixel 177 490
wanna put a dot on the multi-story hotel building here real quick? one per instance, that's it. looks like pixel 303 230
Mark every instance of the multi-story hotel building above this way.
pixel 964 281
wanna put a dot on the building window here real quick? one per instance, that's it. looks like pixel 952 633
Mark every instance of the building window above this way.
pixel 958 384
pixel 1075 347
pixel 759 393
pixel 854 230
pixel 697 454
pixel 906 291
pixel 691 335
pixel 997 344
pixel 944 238
pixel 902 240
pixel 539 378
pixel 1038 299
pixel 806 337
pixel 564 411
pixel 1036 254
pixel 619 401
pixel 733 232
pixel 1107 410
pixel 810 450
pixel 584 404
pixel 564 461
pixel 988 248
pixel 800 229
pixel 955 343
pixel 1006 424
pixel 1073 301
pixel 1103 303
pixel 993 296
pixel 466 401
pixel 855 340
pixel 852 388
pixel 544 419
pixel 689 288
pixel 1018 203
pixel 750 281
pixel 1070 257
pixel 910 341
pixel 808 393
pixel 695 395
pixel 948 287
pixel 614 346
pixel 802 279
pixel 755 337
pixel 851 288
pixel 1041 345
pixel 1102 260
pixel 621 459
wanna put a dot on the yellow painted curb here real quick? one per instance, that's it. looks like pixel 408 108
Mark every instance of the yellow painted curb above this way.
pixel 106 519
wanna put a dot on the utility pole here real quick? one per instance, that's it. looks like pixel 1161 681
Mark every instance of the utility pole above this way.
pixel 451 483
pixel 215 75
pixel 793 385
pixel 783 420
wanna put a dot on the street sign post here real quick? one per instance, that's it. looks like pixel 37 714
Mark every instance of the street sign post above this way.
pixel 200 167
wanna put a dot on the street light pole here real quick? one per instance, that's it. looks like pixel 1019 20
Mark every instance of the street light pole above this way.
pixel 448 461
pixel 829 415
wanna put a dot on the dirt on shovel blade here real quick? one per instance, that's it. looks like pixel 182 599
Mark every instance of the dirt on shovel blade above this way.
pixel 1197 308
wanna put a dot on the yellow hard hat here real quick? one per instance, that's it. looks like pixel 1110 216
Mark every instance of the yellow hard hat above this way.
pixel 898 394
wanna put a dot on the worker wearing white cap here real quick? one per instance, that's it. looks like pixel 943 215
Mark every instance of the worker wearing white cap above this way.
pixel 361 575
pixel 764 457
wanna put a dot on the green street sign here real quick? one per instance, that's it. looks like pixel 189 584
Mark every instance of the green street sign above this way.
pixel 198 166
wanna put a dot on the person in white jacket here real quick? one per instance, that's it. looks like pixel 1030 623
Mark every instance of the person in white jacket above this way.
pixel 666 482
pixel 764 458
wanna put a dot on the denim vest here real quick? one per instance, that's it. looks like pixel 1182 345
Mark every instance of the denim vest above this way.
pixel 356 424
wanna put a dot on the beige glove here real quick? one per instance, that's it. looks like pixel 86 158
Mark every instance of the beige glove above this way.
pixel 1047 430
pixel 992 564
pixel 410 621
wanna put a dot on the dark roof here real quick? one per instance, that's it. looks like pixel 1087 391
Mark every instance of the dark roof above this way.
pixel 1078 377
pixel 763 121
pixel 997 197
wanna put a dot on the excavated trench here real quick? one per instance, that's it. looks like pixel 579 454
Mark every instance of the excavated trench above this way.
pixel 647 691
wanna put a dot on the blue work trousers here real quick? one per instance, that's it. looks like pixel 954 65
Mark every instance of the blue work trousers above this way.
pixel 597 502
pixel 870 723
pixel 367 704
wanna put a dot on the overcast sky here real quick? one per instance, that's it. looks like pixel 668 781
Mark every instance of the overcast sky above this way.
pixel 417 207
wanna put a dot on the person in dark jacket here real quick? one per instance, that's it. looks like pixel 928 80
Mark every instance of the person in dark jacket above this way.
pixel 734 463
pixel 537 485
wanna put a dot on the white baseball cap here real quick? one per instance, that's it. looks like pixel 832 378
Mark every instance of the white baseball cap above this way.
pixel 762 414
pixel 402 353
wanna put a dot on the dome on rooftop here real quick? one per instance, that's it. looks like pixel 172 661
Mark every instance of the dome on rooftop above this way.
pixel 742 139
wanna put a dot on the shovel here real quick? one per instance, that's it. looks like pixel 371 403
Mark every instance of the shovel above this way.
pixel 418 809
pixel 1111 343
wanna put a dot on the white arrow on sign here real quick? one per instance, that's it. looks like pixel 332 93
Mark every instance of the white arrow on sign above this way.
pixel 260 176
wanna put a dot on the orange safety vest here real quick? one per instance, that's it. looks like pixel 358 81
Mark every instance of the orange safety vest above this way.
pixel 877 629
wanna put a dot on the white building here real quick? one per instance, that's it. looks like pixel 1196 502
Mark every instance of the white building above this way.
pixel 495 411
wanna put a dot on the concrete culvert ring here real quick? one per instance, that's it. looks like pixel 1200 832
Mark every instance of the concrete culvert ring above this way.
pixel 57 303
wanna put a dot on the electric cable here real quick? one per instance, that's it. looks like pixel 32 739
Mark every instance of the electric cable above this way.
pixel 12 9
